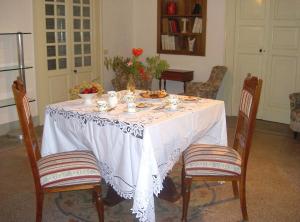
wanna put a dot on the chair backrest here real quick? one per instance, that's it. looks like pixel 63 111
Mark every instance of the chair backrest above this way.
pixel 30 139
pixel 216 76
pixel 246 118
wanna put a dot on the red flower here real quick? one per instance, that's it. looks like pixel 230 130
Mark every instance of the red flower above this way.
pixel 137 51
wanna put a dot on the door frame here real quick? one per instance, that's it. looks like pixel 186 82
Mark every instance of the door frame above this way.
pixel 40 51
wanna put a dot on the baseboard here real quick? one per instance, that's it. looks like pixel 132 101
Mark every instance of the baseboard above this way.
pixel 12 126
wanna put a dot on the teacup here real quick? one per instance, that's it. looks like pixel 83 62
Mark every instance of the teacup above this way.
pixel 173 101
pixel 102 104
pixel 112 98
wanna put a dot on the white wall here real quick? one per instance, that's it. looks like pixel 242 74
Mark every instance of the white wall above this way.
pixel 15 15
pixel 144 36
pixel 117 32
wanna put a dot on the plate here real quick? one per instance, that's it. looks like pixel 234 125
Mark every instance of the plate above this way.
pixel 190 98
pixel 143 105
pixel 153 95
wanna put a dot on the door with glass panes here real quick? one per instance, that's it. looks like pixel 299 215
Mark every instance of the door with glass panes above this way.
pixel 67 43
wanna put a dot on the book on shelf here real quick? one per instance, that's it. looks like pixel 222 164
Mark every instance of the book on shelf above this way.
pixel 168 42
pixel 173 26
pixel 197 27
pixel 165 25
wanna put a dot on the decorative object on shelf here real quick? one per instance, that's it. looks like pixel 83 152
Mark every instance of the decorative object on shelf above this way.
pixel 197 9
pixel 191 44
pixel 171 7
pixel 135 71
pixel 86 88
pixel 184 21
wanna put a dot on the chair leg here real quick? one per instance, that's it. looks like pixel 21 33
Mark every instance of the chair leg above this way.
pixel 182 179
pixel 186 197
pixel 295 135
pixel 243 199
pixel 39 206
pixel 235 189
pixel 99 203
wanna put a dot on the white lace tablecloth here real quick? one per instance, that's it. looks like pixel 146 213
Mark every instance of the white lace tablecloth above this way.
pixel 135 151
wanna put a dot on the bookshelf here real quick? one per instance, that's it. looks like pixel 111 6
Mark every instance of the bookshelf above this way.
pixel 181 27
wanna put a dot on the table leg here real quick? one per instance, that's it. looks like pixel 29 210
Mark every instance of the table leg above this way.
pixel 165 84
pixel 159 84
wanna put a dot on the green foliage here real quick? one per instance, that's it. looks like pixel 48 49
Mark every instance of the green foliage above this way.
pixel 154 66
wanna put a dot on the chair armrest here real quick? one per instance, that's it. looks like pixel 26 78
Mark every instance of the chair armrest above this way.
pixel 294 100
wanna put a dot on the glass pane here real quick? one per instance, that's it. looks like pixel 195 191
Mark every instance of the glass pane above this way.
pixel 61 23
pixel 50 37
pixel 51 51
pixel 62 63
pixel 60 0
pixel 76 1
pixel 77 49
pixel 87 48
pixel 51 64
pixel 60 10
pixel 86 2
pixel 86 11
pixel 77 37
pixel 76 10
pixel 76 23
pixel 86 36
pixel 87 60
pixel 50 24
pixel 61 37
pixel 62 50
pixel 78 62
pixel 49 9
pixel 86 24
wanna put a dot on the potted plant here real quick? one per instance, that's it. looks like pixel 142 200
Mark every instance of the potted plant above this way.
pixel 132 71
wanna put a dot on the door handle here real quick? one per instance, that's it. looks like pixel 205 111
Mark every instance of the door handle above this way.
pixel 75 71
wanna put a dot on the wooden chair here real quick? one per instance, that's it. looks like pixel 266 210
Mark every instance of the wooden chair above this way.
pixel 217 163
pixel 67 171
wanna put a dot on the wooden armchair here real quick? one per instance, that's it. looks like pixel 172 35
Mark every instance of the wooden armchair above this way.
pixel 217 163
pixel 76 170
pixel 210 88
pixel 295 113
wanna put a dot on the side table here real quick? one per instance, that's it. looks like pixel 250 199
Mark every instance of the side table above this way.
pixel 176 75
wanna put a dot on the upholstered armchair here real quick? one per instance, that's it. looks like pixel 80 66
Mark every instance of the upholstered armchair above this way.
pixel 295 113
pixel 210 88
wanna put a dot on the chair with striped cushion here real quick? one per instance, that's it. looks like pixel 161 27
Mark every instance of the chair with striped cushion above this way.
pixel 218 163
pixel 67 171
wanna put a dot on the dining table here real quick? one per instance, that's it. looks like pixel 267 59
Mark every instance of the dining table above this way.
pixel 135 150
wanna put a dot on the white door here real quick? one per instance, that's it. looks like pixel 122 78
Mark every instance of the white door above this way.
pixel 267 45
pixel 66 37
pixel 283 69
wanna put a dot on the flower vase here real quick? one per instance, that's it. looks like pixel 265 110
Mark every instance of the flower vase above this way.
pixel 131 83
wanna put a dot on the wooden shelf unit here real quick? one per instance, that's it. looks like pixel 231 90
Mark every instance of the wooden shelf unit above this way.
pixel 171 38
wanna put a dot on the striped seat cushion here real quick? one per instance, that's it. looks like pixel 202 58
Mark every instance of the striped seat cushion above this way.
pixel 68 168
pixel 211 160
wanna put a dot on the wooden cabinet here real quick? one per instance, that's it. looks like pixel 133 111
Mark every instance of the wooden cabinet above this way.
pixel 181 27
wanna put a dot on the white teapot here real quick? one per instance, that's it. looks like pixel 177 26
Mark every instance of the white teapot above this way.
pixel 112 98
